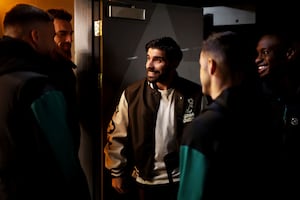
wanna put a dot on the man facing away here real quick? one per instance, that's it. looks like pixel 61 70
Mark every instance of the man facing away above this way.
pixel 227 152
pixel 38 153
pixel 145 130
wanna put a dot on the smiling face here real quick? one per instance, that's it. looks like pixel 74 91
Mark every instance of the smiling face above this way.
pixel 270 55
pixel 64 36
pixel 157 67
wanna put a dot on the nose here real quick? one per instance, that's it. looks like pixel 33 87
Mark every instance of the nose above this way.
pixel 149 63
pixel 258 59
pixel 69 38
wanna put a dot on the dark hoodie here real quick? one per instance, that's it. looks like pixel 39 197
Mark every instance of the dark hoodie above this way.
pixel 38 147
pixel 16 55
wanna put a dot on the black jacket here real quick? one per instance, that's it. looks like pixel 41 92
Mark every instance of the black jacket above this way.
pixel 35 158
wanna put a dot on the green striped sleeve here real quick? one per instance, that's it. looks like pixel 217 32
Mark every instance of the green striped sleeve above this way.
pixel 192 174
pixel 50 112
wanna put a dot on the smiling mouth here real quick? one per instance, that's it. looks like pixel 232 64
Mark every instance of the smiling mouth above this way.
pixel 262 67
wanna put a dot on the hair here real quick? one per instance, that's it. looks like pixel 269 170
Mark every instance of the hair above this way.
pixel 60 14
pixel 286 44
pixel 284 41
pixel 24 14
pixel 230 48
pixel 168 45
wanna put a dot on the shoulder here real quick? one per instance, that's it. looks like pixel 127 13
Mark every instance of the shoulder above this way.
pixel 188 83
pixel 204 128
pixel 30 85
pixel 210 119
pixel 23 88
pixel 186 86
pixel 136 84
pixel 24 79
pixel 136 87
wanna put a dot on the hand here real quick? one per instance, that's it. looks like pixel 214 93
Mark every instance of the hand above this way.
pixel 118 185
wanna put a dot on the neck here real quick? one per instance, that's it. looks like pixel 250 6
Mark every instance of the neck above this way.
pixel 218 86
pixel 167 83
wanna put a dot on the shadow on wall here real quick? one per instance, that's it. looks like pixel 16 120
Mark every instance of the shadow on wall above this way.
pixel 88 92
pixel 89 110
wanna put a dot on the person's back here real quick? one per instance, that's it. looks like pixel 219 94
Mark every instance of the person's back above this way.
pixel 37 152
pixel 225 152
pixel 234 135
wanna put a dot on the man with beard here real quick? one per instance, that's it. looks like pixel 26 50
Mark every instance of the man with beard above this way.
pixel 145 130
pixel 63 30
pixel 63 72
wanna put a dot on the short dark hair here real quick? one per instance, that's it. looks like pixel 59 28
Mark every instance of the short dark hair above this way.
pixel 230 46
pixel 23 14
pixel 60 14
pixel 284 39
pixel 167 44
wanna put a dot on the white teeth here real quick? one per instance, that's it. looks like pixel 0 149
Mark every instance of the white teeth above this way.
pixel 262 67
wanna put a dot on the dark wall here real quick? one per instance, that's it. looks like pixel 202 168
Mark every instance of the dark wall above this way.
pixel 124 54
pixel 282 16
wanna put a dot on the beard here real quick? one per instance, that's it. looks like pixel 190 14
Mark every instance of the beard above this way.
pixel 65 49
pixel 159 77
pixel 67 54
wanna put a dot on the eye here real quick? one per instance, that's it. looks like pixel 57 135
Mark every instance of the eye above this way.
pixel 265 52
pixel 63 33
pixel 158 59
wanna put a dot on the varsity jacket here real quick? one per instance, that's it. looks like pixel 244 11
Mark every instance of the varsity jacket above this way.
pixel 131 132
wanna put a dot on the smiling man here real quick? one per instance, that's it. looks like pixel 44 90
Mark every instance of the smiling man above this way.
pixel 272 55
pixel 146 128
pixel 63 29
pixel 279 70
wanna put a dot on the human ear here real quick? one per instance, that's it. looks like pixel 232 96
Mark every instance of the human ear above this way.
pixel 34 36
pixel 211 63
pixel 290 53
